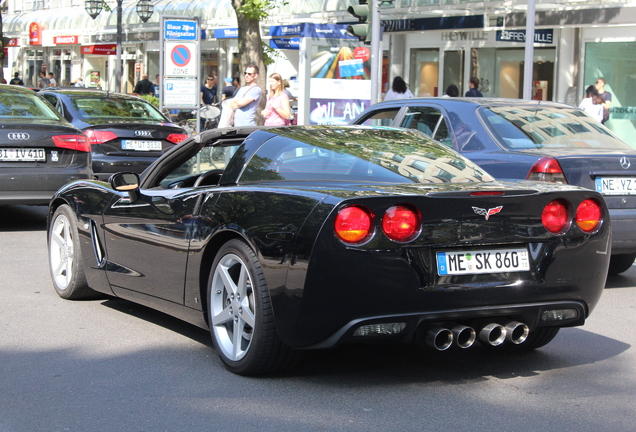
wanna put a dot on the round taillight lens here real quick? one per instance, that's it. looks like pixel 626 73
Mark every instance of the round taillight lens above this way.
pixel 588 215
pixel 401 223
pixel 555 216
pixel 353 224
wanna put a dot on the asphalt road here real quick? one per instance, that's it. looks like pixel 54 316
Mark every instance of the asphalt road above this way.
pixel 110 365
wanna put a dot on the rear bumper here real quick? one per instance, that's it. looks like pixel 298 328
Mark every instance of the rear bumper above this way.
pixel 36 187
pixel 623 230
pixel 528 314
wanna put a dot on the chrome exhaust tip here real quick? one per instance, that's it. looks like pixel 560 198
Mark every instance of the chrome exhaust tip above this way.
pixel 464 336
pixel 516 332
pixel 439 338
pixel 492 334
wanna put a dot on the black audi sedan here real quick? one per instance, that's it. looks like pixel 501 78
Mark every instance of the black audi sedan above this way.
pixel 535 140
pixel 39 150
pixel 126 133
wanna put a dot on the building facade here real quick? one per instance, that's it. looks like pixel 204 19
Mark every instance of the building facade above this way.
pixel 430 43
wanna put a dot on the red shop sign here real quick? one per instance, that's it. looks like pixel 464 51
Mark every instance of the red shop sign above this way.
pixel 35 34
pixel 106 49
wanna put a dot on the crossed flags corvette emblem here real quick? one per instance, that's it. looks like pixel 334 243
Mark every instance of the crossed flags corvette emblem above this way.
pixel 487 213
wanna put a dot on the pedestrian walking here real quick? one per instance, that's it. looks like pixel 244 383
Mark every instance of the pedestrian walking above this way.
pixel 247 99
pixel 277 110
pixel 144 86
pixel 399 90
pixel 606 96
pixel 593 103
pixel 473 84
pixel 52 81
pixel 43 81
pixel 16 79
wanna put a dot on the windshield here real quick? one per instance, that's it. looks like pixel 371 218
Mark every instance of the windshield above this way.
pixel 360 155
pixel 113 108
pixel 551 127
pixel 23 106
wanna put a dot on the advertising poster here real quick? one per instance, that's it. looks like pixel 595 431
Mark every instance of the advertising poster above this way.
pixel 94 78
pixel 340 84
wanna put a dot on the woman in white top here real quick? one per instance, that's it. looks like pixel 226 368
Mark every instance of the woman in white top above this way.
pixel 592 103
pixel 398 90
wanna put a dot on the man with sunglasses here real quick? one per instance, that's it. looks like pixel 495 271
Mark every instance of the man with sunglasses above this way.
pixel 247 99
pixel 208 91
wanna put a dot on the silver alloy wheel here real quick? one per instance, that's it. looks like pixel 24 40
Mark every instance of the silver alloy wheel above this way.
pixel 62 252
pixel 232 306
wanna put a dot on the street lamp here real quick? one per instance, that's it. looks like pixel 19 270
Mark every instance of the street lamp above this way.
pixel 144 10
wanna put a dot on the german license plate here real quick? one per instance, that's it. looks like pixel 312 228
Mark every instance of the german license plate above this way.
pixel 141 145
pixel 22 155
pixel 483 261
pixel 616 185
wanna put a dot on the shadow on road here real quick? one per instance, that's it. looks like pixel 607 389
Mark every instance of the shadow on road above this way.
pixel 23 218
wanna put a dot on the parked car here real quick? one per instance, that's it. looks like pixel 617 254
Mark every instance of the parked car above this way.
pixel 292 238
pixel 517 139
pixel 125 132
pixel 39 150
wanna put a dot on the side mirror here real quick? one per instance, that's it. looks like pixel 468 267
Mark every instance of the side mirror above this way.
pixel 126 182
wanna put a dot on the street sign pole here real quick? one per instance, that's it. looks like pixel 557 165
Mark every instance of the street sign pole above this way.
pixel 376 57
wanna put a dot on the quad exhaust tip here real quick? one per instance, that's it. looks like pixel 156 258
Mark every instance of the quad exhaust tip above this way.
pixel 494 334
pixel 516 332
pixel 464 336
pixel 439 338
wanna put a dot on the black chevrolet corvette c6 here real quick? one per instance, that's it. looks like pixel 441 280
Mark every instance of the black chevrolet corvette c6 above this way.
pixel 285 239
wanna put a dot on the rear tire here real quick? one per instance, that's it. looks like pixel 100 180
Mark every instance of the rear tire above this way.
pixel 620 263
pixel 65 258
pixel 240 314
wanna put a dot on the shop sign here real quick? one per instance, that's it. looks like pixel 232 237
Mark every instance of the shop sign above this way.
pixel 437 23
pixel 226 33
pixel 286 30
pixel 14 42
pixel 623 113
pixel 326 31
pixel 106 49
pixel 544 36
pixel 35 34
pixel 289 44
pixel 474 35
pixel 66 40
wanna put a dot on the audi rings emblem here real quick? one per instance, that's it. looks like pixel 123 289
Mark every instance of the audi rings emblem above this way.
pixel 625 163
pixel 142 133
pixel 18 136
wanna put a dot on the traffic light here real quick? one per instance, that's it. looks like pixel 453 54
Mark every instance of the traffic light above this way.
pixel 363 30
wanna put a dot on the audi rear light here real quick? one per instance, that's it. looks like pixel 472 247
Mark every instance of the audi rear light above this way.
pixel 555 216
pixel 588 215
pixel 73 142
pixel 547 169
pixel 176 138
pixel 401 223
pixel 100 137
pixel 353 224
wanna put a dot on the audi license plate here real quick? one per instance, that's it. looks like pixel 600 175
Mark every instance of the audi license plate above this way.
pixel 22 155
pixel 141 145
pixel 483 261
pixel 616 185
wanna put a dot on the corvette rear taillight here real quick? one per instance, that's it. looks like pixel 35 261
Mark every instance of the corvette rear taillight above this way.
pixel 176 138
pixel 353 224
pixel 73 142
pixel 588 215
pixel 401 223
pixel 555 216
pixel 100 137
pixel 547 169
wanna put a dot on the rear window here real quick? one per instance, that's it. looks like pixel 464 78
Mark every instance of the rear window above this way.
pixel 115 108
pixel 553 127
pixel 21 106
pixel 360 155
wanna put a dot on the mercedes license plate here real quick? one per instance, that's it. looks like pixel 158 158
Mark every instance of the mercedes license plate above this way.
pixel 483 261
pixel 22 155
pixel 141 145
pixel 616 185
